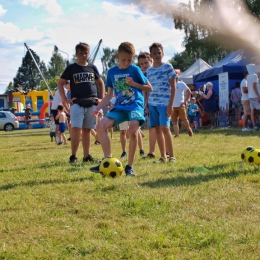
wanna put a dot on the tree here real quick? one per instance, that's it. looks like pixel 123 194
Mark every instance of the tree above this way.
pixel 203 38
pixel 28 76
pixel 52 83
pixel 108 60
pixel 9 87
pixel 56 65
pixel 182 60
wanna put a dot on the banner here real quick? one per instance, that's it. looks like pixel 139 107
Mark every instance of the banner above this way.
pixel 223 120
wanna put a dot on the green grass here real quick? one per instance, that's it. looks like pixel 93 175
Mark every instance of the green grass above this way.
pixel 52 210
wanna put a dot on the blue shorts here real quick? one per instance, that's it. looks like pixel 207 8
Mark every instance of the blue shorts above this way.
pixel 62 127
pixel 158 116
pixel 82 117
pixel 52 134
pixel 191 118
pixel 120 116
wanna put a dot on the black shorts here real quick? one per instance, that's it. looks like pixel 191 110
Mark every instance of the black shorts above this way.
pixel 54 113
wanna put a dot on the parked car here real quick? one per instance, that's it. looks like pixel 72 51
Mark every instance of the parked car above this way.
pixel 8 121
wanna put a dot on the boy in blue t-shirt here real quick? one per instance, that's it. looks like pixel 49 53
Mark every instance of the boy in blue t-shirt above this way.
pixel 160 102
pixel 127 82
pixel 192 113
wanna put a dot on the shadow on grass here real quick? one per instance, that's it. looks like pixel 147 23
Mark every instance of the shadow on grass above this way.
pixel 9 186
pixel 197 178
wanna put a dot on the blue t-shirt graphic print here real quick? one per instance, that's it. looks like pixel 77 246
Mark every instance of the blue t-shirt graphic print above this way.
pixel 127 97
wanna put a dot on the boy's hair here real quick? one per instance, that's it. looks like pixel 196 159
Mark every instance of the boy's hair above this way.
pixel 126 47
pixel 156 45
pixel 82 46
pixel 60 107
pixel 144 55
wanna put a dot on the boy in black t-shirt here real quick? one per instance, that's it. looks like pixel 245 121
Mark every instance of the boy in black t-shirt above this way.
pixel 84 96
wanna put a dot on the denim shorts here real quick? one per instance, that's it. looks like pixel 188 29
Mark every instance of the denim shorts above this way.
pixel 158 116
pixel 120 116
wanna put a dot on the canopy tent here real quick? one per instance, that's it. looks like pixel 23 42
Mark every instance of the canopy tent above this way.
pixel 234 63
pixel 197 67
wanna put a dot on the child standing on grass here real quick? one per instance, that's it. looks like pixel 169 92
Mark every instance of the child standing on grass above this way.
pixel 160 102
pixel 52 126
pixel 192 113
pixel 145 62
pixel 127 82
pixel 61 116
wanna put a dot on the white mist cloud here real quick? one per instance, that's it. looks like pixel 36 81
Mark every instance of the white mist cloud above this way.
pixel 2 11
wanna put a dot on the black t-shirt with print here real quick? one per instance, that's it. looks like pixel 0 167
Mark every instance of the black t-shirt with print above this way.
pixel 82 80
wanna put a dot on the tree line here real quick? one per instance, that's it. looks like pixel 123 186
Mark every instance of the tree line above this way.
pixel 201 40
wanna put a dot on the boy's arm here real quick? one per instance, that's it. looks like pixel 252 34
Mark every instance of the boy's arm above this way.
pixel 101 87
pixel 58 115
pixel 169 108
pixel 147 87
pixel 104 101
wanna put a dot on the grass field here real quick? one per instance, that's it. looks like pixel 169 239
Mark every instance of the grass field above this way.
pixel 52 210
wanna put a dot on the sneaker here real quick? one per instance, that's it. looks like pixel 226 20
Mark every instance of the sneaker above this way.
pixel 190 133
pixel 73 159
pixel 68 139
pixel 196 130
pixel 59 143
pixel 150 156
pixel 176 136
pixel 161 160
pixel 246 129
pixel 129 171
pixel 95 169
pixel 172 160
pixel 142 153
pixel 97 143
pixel 255 128
pixel 89 158
pixel 123 155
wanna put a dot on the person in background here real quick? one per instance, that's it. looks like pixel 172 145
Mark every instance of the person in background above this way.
pixel 235 98
pixel 61 116
pixel 52 126
pixel 179 107
pixel 245 102
pixel 192 113
pixel 210 103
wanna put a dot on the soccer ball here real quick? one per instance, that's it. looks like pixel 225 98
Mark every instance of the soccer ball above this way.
pixel 111 167
pixel 246 153
pixel 254 157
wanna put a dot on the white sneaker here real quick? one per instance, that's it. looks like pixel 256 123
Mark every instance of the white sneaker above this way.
pixel 246 129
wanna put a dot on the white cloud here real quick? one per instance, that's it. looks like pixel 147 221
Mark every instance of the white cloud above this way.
pixel 112 23
pixel 51 6
pixel 2 11
pixel 10 33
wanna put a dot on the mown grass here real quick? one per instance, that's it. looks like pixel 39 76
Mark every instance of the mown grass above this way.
pixel 52 210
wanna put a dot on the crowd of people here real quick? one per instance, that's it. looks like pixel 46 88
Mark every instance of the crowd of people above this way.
pixel 150 93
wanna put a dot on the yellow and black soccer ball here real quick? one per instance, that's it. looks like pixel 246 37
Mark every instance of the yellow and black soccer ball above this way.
pixel 111 167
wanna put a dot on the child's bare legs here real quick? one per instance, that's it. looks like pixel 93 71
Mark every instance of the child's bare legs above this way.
pixel 152 140
pixel 168 140
pixel 111 132
pixel 176 128
pixel 86 141
pixel 123 140
pixel 139 139
pixel 101 129
pixel 133 133
pixel 161 141
pixel 63 138
pixel 75 138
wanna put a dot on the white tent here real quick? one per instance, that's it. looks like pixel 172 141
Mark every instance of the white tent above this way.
pixel 197 67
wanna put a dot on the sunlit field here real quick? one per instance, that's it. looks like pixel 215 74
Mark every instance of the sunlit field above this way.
pixel 205 206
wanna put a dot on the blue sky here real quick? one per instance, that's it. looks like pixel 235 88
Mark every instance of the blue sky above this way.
pixel 41 24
